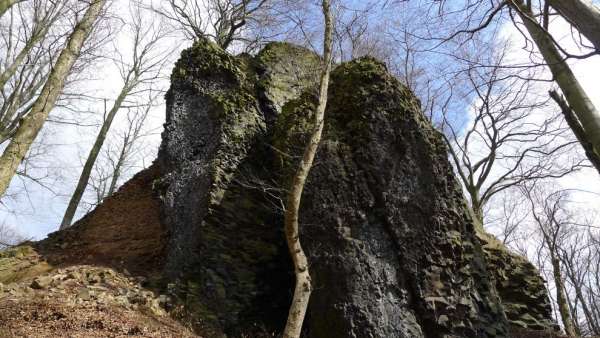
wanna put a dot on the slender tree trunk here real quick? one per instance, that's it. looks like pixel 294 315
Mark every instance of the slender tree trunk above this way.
pixel 477 212
pixel 586 310
pixel 577 98
pixel 303 287
pixel 117 170
pixel 476 208
pixel 93 155
pixel 582 14
pixel 38 33
pixel 6 5
pixel 12 68
pixel 571 270
pixel 561 299
pixel 32 124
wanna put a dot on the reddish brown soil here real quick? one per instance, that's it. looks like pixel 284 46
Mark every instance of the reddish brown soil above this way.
pixel 124 232
pixel 84 301
pixel 123 235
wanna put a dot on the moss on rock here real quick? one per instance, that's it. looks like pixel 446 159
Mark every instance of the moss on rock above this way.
pixel 225 247
pixel 285 72
pixel 520 286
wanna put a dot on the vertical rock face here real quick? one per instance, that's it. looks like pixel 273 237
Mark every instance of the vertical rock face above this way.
pixel 392 249
pixel 212 120
pixel 522 290
pixel 226 245
pixel 393 252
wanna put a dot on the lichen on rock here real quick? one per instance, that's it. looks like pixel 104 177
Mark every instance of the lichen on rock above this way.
pixel 392 247
pixel 225 241
pixel 391 253
pixel 520 286
pixel 21 262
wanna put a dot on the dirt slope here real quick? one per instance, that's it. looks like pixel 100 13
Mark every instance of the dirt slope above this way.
pixel 87 281
pixel 84 301
pixel 124 232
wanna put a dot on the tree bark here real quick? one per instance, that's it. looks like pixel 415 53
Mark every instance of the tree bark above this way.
pixel 577 130
pixel 575 95
pixel 561 299
pixel 31 125
pixel 582 14
pixel 93 155
pixel 477 209
pixel 303 286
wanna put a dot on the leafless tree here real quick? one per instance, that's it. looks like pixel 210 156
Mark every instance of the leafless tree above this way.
pixel 120 156
pixel 222 21
pixel 507 219
pixel 31 125
pixel 138 72
pixel 554 223
pixel 29 45
pixel 533 20
pixel 580 103
pixel 579 262
pixel 507 142
pixel 303 286
pixel 359 32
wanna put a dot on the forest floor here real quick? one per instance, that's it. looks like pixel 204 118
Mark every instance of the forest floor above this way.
pixel 85 302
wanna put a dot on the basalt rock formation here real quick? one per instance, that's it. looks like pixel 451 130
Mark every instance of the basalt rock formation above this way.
pixel 393 250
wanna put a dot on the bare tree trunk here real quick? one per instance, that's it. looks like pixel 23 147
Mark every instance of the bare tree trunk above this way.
pixel 91 159
pixel 477 209
pixel 561 299
pixel 584 306
pixel 577 130
pixel 575 95
pixel 303 287
pixel 582 14
pixel 116 172
pixel 41 25
pixel 33 122
pixel 6 5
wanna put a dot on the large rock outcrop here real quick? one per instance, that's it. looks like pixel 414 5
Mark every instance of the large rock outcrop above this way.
pixel 392 248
